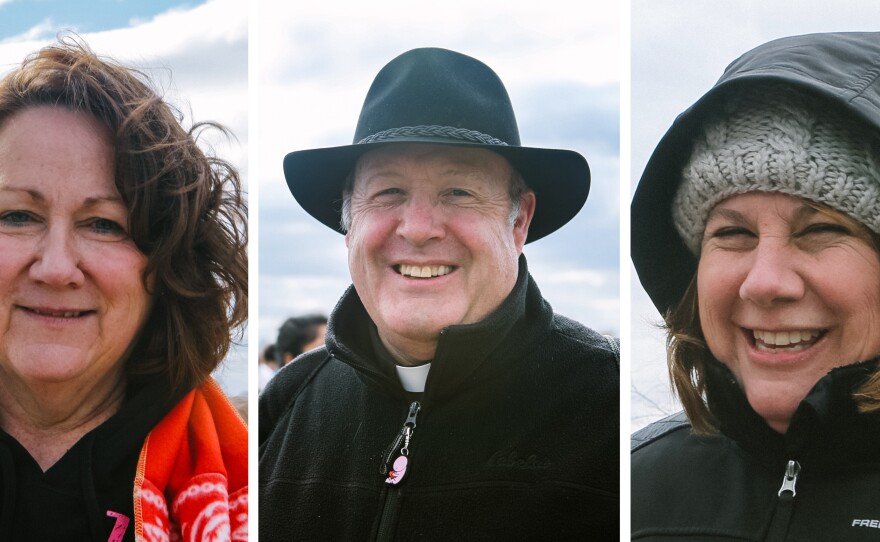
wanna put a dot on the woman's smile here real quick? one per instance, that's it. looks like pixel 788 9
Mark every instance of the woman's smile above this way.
pixel 786 292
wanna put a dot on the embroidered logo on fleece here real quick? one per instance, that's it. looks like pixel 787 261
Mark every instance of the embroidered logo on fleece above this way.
pixel 512 460
pixel 119 528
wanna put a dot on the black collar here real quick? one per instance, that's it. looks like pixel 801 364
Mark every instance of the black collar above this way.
pixel 826 429
pixel 465 355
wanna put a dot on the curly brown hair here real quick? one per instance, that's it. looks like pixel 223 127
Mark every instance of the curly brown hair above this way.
pixel 187 213
pixel 688 353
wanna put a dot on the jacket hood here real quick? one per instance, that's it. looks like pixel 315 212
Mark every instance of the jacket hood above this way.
pixel 842 68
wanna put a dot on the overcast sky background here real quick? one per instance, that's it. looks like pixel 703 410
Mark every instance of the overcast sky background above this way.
pixel 311 71
pixel 679 49
pixel 562 75
pixel 195 52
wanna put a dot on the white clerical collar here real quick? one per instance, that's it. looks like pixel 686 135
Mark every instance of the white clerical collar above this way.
pixel 413 378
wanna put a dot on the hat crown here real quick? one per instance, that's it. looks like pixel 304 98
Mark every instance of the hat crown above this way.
pixel 433 87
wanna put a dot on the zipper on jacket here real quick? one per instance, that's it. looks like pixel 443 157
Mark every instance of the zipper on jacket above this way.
pixel 782 517
pixel 395 463
pixel 396 457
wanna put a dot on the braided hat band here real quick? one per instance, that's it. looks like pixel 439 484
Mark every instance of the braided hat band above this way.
pixel 776 139
pixel 446 132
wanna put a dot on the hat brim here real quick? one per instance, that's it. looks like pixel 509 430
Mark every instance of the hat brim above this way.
pixel 559 178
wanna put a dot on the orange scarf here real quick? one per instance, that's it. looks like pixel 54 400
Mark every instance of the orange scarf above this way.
pixel 195 459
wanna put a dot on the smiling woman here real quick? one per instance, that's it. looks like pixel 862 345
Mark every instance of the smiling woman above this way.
pixel 122 277
pixel 72 279
pixel 755 231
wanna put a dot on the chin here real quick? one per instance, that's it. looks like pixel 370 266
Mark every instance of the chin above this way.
pixel 776 406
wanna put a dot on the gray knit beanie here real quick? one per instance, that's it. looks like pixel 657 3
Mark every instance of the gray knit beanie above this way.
pixel 776 139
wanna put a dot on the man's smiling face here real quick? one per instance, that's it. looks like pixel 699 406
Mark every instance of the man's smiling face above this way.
pixel 431 242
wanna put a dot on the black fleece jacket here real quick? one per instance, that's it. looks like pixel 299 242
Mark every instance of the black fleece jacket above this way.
pixel 516 438
pixel 730 486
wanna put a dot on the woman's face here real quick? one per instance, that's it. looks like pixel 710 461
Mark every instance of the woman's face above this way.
pixel 71 294
pixel 786 293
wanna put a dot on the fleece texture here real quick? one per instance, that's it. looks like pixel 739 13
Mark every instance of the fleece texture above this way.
pixel 516 438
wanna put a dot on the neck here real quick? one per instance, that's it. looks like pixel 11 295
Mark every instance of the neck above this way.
pixel 409 353
pixel 47 419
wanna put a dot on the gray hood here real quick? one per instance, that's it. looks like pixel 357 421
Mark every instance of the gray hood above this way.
pixel 843 68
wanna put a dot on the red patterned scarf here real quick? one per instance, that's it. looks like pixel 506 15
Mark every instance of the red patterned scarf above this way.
pixel 196 460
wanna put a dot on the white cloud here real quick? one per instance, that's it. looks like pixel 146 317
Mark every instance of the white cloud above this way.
pixel 184 42
pixel 43 30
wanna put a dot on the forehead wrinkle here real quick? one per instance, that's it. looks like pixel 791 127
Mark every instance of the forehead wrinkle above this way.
pixel 803 211
pixel 719 212
pixel 89 201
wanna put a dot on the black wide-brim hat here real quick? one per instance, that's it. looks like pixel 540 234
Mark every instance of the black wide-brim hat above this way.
pixel 438 96
pixel 841 68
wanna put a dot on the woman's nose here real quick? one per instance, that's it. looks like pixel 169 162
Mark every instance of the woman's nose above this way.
pixel 57 260
pixel 772 276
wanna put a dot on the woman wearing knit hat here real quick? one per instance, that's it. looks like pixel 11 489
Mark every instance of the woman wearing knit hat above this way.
pixel 756 232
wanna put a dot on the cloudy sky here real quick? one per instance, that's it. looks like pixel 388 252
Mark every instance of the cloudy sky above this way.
pixel 195 52
pixel 310 72
pixel 562 73
pixel 679 49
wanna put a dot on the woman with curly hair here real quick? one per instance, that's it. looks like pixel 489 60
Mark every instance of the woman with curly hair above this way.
pixel 123 274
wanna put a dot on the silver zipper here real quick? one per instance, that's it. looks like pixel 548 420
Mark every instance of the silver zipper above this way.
pixel 790 479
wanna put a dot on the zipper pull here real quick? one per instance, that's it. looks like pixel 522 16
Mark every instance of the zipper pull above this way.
pixel 790 479
pixel 400 448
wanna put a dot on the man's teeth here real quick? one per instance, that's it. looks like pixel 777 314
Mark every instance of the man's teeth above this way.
pixel 793 339
pixel 426 271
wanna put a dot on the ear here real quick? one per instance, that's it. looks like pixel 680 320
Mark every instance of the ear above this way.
pixel 523 219
pixel 346 238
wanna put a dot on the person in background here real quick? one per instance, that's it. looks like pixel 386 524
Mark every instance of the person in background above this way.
pixel 756 232
pixel 267 366
pixel 449 402
pixel 123 275
pixel 297 335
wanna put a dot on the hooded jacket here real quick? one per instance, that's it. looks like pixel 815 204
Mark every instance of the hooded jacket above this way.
pixel 514 437
pixel 840 68
pixel 819 481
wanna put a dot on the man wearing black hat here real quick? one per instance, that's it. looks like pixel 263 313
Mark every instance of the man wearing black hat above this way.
pixel 450 402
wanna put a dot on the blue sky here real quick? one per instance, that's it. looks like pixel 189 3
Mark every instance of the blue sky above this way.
pixel 42 17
